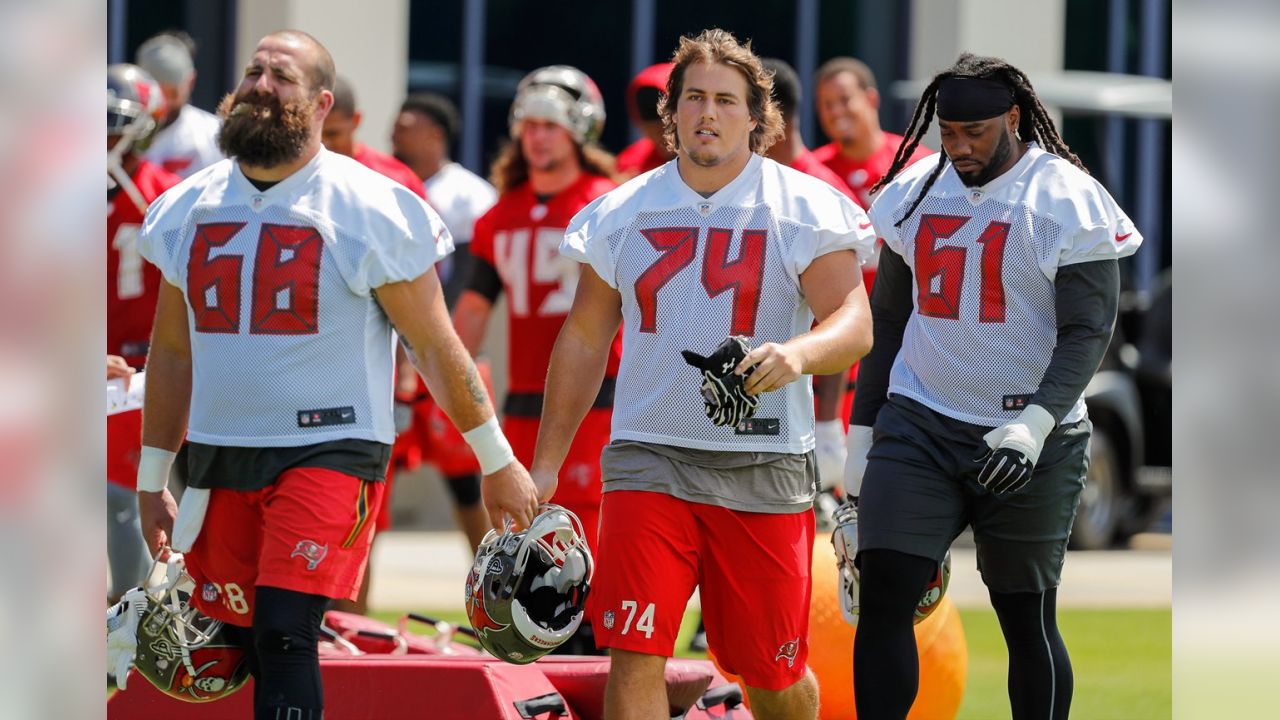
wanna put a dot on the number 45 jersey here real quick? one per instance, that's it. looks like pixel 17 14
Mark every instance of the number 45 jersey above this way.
pixel 289 345
pixel 693 270
pixel 983 261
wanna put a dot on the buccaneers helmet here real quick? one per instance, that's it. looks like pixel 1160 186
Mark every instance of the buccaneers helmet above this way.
pixel 564 95
pixel 135 105
pixel 181 651
pixel 845 540
pixel 527 590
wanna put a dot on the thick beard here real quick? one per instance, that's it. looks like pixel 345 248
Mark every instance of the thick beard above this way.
pixel 261 132
pixel 992 168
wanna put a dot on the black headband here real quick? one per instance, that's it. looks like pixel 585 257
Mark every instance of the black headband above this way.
pixel 963 99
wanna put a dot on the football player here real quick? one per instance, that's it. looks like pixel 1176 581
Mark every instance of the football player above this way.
pixel 135 107
pixel 710 476
pixel 994 303
pixel 285 267
pixel 187 141
pixel 550 170
pixel 643 94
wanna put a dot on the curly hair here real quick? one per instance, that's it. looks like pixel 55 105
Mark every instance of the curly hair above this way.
pixel 720 46
pixel 509 168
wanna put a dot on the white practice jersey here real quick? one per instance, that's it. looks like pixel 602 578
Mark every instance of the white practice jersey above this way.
pixel 984 260
pixel 693 270
pixel 289 345
pixel 187 145
pixel 461 197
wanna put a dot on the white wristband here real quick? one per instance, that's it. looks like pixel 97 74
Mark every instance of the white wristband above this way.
pixel 490 446
pixel 153 469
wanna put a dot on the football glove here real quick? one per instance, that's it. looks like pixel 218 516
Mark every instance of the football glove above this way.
pixel 1013 450
pixel 857 444
pixel 727 401
pixel 122 634
pixel 830 452
pixel 845 540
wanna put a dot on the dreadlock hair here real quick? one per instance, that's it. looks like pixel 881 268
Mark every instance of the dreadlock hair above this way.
pixel 1034 122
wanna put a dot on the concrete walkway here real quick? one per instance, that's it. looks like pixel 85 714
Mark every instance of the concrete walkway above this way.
pixel 426 571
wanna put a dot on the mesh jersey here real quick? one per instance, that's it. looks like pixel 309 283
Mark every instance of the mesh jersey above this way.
pixel 747 244
pixel 289 345
pixel 862 174
pixel 132 284
pixel 983 261
pixel 520 237
pixel 810 165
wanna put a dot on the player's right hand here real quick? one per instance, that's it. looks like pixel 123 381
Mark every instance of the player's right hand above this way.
pixel 510 491
pixel 156 511
pixel 857 444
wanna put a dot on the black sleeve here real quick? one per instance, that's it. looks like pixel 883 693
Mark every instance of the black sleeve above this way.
pixel 891 308
pixel 459 274
pixel 484 279
pixel 1087 296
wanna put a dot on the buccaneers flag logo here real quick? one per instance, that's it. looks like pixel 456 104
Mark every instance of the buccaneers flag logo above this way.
pixel 476 611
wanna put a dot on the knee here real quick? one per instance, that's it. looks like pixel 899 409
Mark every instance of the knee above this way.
pixel 892 581
pixel 286 623
pixel 797 700
pixel 628 667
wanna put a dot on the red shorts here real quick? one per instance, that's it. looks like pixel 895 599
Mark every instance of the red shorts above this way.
pixel 579 486
pixel 309 532
pixel 124 445
pixel 753 570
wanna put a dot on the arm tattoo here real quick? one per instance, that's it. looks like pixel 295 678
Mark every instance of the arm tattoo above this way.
pixel 475 387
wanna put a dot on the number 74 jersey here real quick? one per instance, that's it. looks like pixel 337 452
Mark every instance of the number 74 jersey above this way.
pixel 692 270
pixel 983 262
pixel 289 345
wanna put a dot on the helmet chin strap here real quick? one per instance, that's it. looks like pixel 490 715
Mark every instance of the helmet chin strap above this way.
pixel 115 167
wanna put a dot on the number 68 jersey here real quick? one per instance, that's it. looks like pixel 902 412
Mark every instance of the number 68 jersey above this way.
pixel 289 345
pixel 983 262
pixel 693 270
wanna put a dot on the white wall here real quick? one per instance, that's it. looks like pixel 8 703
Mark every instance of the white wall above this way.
pixel 369 42
pixel 1027 33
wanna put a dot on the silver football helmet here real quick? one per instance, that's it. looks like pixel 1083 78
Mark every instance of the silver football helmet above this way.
pixel 563 95
pixel 845 540
pixel 526 592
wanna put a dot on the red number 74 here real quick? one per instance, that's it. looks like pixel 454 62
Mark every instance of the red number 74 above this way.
pixel 679 246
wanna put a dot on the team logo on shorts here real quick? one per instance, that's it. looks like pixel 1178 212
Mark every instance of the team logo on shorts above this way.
pixel 788 650
pixel 310 551
pixel 209 592
pixel 608 619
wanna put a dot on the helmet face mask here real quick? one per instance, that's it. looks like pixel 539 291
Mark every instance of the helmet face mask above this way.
pixel 526 591
pixel 563 95
pixel 183 652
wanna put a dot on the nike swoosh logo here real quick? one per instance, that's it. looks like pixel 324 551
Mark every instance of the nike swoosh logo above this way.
pixel 864 226
pixel 1121 238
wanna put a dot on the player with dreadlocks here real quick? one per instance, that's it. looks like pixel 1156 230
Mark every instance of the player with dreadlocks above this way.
pixel 995 301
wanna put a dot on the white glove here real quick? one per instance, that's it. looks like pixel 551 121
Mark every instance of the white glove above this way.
pixel 845 540
pixel 1013 449
pixel 857 445
pixel 830 452
pixel 122 633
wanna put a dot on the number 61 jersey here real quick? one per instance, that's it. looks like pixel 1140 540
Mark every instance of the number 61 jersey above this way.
pixel 692 270
pixel 289 345
pixel 983 262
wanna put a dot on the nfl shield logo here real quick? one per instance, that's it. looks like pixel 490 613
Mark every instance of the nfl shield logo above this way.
pixel 209 592
pixel 608 619
pixel 975 196
pixel 704 208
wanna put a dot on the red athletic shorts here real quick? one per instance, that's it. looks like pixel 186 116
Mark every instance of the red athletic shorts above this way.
pixel 309 531
pixel 753 570
pixel 579 486
pixel 124 445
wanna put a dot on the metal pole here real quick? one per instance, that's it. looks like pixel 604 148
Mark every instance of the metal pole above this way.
pixel 472 83
pixel 1151 135
pixel 117 19
pixel 1113 158
pixel 806 60
pixel 642 13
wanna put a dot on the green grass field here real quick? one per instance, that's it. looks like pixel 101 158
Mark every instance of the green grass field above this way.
pixel 1121 660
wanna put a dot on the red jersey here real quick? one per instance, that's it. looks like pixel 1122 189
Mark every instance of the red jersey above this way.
pixel 133 284
pixel 640 157
pixel 862 174
pixel 808 163
pixel 520 237
pixel 391 167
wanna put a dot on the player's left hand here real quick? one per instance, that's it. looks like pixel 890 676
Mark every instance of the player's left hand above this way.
pixel 1013 449
pixel 775 365
pixel 510 491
